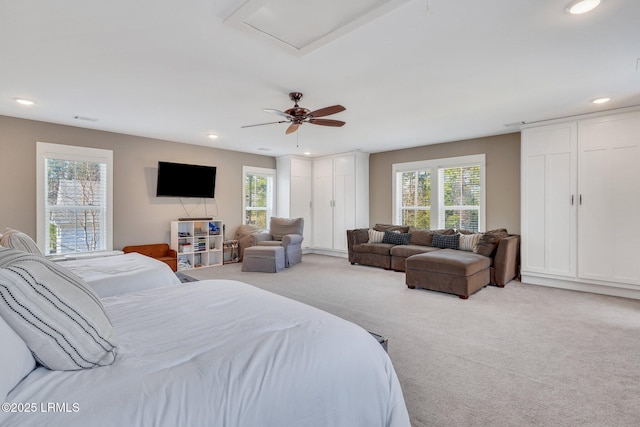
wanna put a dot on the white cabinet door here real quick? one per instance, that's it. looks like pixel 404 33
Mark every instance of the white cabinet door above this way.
pixel 609 188
pixel 301 195
pixel 323 204
pixel 549 200
pixel 344 210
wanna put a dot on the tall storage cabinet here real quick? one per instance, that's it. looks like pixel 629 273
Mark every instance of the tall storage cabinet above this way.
pixel 340 199
pixel 198 243
pixel 294 195
pixel 580 202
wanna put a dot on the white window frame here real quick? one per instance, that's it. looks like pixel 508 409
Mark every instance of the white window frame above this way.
pixel 437 220
pixel 45 150
pixel 271 205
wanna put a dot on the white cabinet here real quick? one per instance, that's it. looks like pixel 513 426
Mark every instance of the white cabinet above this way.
pixel 294 192
pixel 198 243
pixel 580 199
pixel 340 199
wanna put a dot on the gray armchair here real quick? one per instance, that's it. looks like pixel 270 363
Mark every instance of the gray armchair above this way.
pixel 285 232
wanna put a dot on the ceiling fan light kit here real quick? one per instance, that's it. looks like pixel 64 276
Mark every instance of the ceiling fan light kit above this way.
pixel 297 115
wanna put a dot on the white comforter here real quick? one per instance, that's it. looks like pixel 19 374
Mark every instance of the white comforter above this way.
pixel 223 353
pixel 115 275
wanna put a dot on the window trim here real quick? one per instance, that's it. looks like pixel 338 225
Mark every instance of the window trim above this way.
pixel 259 171
pixel 434 165
pixel 45 150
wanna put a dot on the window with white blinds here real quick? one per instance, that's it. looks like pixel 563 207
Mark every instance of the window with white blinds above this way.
pixel 74 205
pixel 441 193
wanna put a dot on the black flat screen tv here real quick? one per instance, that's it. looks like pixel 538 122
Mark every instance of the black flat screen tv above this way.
pixel 182 180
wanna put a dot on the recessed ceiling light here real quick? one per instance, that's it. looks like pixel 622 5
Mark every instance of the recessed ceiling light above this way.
pixel 23 101
pixel 307 153
pixel 213 136
pixel 601 100
pixel 582 6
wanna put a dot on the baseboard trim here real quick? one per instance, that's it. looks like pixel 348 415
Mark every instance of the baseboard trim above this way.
pixel 328 252
pixel 611 290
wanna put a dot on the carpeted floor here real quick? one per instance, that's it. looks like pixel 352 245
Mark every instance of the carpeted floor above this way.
pixel 520 356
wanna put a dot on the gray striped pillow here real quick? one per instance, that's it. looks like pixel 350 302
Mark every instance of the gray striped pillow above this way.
pixel 55 312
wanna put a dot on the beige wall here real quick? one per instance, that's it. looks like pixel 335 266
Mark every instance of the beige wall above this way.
pixel 138 216
pixel 502 155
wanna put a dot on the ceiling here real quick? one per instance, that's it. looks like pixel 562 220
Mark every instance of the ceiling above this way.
pixel 414 72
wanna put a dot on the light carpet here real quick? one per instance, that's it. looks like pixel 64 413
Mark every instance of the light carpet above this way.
pixel 523 355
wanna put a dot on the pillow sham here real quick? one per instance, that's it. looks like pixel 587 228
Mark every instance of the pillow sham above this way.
pixel 375 236
pixel 15 239
pixel 468 242
pixel 56 313
pixel 15 358
pixel 446 241
pixel 396 238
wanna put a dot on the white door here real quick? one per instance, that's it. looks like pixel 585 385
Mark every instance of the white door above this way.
pixel 301 195
pixel 344 212
pixel 323 204
pixel 609 187
pixel 549 200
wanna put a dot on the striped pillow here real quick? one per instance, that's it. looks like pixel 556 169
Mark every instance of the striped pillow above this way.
pixel 375 236
pixel 15 239
pixel 468 242
pixel 56 313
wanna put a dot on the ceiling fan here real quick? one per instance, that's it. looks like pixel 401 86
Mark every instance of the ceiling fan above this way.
pixel 298 115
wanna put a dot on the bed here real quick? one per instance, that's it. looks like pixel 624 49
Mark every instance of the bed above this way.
pixel 114 275
pixel 212 353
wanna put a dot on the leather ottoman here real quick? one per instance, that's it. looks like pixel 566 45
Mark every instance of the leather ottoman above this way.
pixel 448 270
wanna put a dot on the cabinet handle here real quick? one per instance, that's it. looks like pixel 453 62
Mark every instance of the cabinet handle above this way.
pixel 581 200
pixel 572 200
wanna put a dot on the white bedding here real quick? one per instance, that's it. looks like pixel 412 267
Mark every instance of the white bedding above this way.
pixel 118 274
pixel 223 353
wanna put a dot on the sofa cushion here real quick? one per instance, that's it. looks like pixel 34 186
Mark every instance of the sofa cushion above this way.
pixel 375 236
pixel 489 241
pixel 390 227
pixel 373 248
pixel 420 237
pixel 469 242
pixel 405 251
pixel 396 238
pixel 448 261
pixel 446 241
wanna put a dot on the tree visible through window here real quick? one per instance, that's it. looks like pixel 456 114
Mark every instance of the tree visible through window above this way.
pixel 258 196
pixel 75 213
pixel 443 193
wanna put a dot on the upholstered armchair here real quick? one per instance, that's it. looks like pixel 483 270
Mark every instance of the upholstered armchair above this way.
pixel 285 232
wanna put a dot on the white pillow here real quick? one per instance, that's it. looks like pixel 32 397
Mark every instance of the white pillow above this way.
pixel 15 239
pixel 56 313
pixel 469 242
pixel 15 358
pixel 375 236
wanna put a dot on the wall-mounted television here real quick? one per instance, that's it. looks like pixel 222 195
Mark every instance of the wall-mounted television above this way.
pixel 182 180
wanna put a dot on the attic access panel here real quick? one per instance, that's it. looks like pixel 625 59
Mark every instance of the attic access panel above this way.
pixel 301 26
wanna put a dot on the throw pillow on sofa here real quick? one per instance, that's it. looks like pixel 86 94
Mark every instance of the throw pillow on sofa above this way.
pixel 489 242
pixel 375 236
pixel 469 242
pixel 396 238
pixel 442 241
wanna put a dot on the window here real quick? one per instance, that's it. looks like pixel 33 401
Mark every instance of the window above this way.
pixel 258 196
pixel 442 193
pixel 74 206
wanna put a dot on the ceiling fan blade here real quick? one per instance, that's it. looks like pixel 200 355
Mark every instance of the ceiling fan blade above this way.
pixel 292 128
pixel 327 111
pixel 326 122
pixel 262 124
pixel 278 112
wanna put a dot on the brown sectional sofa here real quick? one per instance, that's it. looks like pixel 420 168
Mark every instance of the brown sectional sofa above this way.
pixel 501 248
